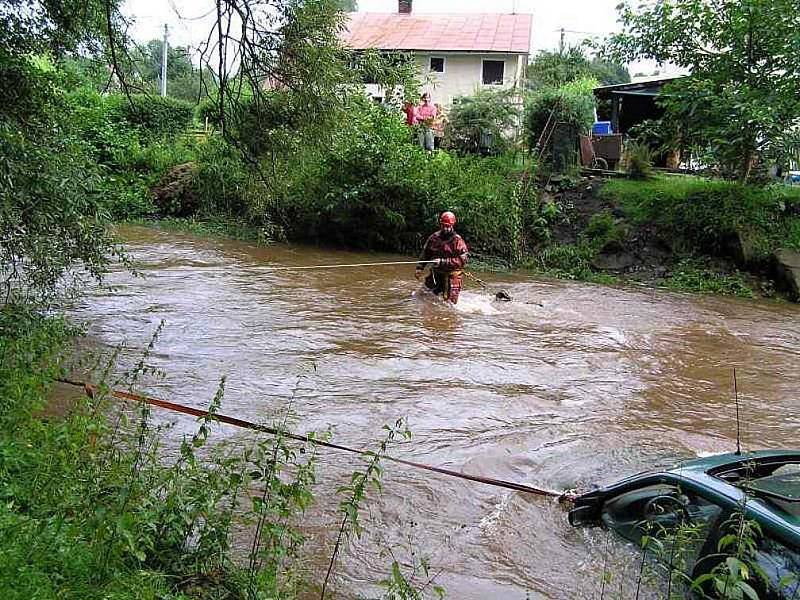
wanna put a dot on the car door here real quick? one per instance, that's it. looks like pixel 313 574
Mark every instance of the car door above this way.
pixel 780 566
pixel 672 525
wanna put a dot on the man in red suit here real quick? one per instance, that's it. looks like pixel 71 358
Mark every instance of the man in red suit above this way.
pixel 449 251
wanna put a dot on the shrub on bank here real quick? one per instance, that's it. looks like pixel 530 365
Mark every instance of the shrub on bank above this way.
pixel 154 116
pixel 704 215
pixel 371 186
pixel 483 122
pixel 134 146
pixel 91 507
pixel 572 103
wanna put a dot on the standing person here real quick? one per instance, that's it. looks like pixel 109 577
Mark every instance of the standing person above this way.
pixel 449 251
pixel 438 126
pixel 410 111
pixel 425 114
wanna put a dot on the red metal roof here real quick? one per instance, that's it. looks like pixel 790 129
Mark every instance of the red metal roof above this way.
pixel 454 32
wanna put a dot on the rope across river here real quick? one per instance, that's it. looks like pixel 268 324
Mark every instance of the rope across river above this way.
pixel 346 266
pixel 91 390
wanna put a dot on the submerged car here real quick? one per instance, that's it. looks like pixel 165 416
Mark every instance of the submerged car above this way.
pixel 703 497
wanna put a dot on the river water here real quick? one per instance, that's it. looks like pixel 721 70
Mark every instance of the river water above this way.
pixel 570 385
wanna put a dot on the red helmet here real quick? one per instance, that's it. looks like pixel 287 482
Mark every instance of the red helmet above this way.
pixel 448 219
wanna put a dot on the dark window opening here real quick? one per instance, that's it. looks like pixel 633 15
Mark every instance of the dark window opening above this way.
pixel 437 64
pixel 493 72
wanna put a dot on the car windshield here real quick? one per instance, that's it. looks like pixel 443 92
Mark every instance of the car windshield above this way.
pixel 781 487
pixel 778 482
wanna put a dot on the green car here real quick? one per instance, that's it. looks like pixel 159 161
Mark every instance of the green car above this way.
pixel 701 498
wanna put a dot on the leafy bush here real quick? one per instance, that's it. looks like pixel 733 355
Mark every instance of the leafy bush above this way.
pixel 221 179
pixel 373 187
pixel 152 115
pixel 567 261
pixel 123 523
pixel 68 226
pixel 697 275
pixel 704 214
pixel 601 229
pixel 572 103
pixel 370 186
pixel 638 160
pixel 488 115
pixel 132 159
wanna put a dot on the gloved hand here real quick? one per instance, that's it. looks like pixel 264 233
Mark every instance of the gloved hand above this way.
pixel 417 273
pixel 437 262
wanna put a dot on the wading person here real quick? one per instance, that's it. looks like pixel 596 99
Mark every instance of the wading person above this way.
pixel 425 115
pixel 449 251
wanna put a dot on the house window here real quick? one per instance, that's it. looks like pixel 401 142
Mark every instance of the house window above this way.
pixel 436 64
pixel 493 72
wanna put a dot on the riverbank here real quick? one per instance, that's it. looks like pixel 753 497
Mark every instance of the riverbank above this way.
pixel 677 232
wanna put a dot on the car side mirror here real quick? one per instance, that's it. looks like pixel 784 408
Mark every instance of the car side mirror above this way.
pixel 583 515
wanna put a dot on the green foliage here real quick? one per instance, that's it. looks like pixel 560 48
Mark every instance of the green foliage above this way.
pixel 51 214
pixel 638 160
pixel 91 507
pixel 373 187
pixel 549 69
pixel 738 573
pixel 601 229
pixel 741 96
pixel 572 103
pixel 705 214
pixel 697 275
pixel 221 180
pixel 489 114
pixel 52 217
pixel 56 26
pixel 132 158
pixel 183 79
pixel 152 115
pixel 567 261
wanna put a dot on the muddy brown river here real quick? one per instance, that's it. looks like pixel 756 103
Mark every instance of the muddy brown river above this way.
pixel 594 384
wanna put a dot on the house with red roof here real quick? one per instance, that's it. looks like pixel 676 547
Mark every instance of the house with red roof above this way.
pixel 459 53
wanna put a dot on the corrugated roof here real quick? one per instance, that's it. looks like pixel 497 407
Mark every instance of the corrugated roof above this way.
pixel 463 32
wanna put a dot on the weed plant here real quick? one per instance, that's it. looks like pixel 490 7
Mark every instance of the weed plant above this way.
pixel 91 505
pixel 638 160
pixel 697 275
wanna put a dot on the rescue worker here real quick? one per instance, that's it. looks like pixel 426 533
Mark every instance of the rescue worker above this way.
pixel 449 251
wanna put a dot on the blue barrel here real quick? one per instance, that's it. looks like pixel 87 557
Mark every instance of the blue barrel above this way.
pixel 602 128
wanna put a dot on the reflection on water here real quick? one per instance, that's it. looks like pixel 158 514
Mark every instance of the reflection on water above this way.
pixel 569 385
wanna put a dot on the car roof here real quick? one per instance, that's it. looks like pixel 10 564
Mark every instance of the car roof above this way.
pixel 716 462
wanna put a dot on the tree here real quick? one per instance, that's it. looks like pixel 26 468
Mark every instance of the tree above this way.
pixel 554 69
pixel 741 95
pixel 348 5
pixel 293 77
pixel 52 216
pixel 485 118
pixel 183 79
pixel 608 72
pixel 572 103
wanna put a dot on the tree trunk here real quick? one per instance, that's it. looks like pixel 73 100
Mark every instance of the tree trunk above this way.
pixel 747 165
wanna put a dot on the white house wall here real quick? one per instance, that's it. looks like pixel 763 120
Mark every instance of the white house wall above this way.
pixel 463 73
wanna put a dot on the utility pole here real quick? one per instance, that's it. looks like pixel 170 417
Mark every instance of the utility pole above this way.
pixel 561 43
pixel 164 62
